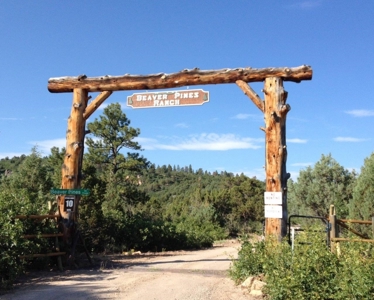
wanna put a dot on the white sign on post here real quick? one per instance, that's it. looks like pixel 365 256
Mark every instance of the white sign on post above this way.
pixel 273 197
pixel 273 211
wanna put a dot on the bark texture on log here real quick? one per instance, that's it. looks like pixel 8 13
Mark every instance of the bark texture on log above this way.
pixel 74 149
pixel 96 103
pixel 251 94
pixel 276 111
pixel 183 78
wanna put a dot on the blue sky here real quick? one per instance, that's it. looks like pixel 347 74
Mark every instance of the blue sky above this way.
pixel 332 113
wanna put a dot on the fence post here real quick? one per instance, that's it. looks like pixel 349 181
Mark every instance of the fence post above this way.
pixel 332 219
pixel 292 238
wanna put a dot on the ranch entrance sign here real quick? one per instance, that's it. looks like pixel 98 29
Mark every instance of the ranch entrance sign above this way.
pixel 165 99
pixel 273 106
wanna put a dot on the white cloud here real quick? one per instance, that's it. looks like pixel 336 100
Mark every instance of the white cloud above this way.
pixel 296 141
pixel 10 119
pixel 45 146
pixel 360 113
pixel 241 116
pixel 203 142
pixel 258 173
pixel 11 154
pixel 306 164
pixel 306 4
pixel 246 116
pixel 349 139
pixel 294 175
pixel 182 125
pixel 356 170
pixel 104 105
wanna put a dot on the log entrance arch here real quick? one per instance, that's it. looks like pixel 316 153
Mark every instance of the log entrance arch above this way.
pixel 273 106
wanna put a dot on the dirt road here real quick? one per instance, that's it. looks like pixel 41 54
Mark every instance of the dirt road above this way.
pixel 185 275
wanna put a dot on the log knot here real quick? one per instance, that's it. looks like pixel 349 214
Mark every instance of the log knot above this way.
pixel 285 108
pixel 77 145
pixel 82 77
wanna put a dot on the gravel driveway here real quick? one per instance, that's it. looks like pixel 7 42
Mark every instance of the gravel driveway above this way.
pixel 182 275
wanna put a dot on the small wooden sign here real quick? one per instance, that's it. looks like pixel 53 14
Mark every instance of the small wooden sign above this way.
pixel 168 99
pixel 273 211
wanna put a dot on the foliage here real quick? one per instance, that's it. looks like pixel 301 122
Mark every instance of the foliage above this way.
pixel 113 133
pixel 11 245
pixel 112 176
pixel 53 164
pixel 318 187
pixel 8 165
pixel 362 204
pixel 310 271
pixel 32 176
pixel 237 200
pixel 250 261
pixel 25 191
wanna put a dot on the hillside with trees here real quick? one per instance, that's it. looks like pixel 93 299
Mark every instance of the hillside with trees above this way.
pixel 135 204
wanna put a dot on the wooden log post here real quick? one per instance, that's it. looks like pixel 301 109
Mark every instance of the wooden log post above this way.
pixel 333 230
pixel 275 112
pixel 71 176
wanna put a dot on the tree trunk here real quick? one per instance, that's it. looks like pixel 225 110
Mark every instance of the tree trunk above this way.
pixel 71 176
pixel 275 112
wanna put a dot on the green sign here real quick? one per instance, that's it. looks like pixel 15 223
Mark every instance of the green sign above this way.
pixel 80 192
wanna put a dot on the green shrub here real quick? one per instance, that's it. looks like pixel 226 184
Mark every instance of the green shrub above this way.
pixel 310 271
pixel 250 261
pixel 11 245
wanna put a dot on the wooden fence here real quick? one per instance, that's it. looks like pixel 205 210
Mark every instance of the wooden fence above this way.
pixel 56 251
pixel 344 223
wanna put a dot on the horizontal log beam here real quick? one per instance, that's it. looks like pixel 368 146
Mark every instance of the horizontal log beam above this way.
pixel 42 255
pixel 183 78
pixel 364 236
pixel 35 217
pixel 44 235
pixel 355 221
pixel 352 240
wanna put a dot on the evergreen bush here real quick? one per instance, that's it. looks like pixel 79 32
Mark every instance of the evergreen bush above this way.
pixel 310 271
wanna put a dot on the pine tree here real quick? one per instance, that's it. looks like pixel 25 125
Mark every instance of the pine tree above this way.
pixel 362 204
pixel 117 172
pixel 318 187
